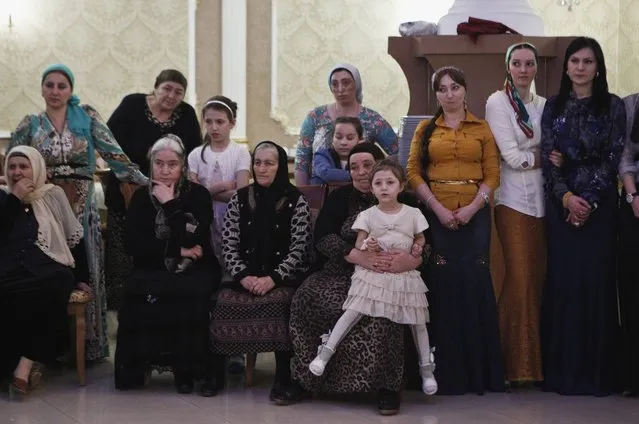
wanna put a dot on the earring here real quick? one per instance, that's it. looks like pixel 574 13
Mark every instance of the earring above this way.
pixel 597 75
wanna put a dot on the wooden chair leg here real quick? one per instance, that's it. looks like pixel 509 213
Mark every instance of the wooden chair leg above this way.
pixel 251 358
pixel 80 334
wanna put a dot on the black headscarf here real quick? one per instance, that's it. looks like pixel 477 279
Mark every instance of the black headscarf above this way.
pixel 266 201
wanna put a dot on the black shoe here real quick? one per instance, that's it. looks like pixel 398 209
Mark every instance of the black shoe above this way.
pixel 293 393
pixel 277 391
pixel 184 386
pixel 208 388
pixel 388 402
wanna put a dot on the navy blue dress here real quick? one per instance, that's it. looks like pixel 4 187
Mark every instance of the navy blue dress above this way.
pixel 579 327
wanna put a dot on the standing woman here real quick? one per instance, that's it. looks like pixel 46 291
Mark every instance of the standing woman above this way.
pixel 453 166
pixel 629 249
pixel 514 116
pixel 69 136
pixel 319 125
pixel 587 125
pixel 139 121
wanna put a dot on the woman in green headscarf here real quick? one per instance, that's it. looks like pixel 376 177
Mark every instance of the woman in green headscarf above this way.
pixel 69 135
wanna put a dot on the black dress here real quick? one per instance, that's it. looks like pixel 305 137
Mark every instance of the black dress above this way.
pixel 164 316
pixel 135 130
pixel 464 324
pixel 579 319
pixel 34 290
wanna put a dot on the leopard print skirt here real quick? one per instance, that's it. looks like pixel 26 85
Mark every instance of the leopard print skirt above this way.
pixel 370 357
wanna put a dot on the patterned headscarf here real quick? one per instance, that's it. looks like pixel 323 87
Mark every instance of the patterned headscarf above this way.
pixel 523 119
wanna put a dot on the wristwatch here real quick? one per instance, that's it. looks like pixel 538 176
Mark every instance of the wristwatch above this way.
pixel 631 196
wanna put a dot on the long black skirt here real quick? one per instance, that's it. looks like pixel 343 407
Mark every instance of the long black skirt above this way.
pixel 33 316
pixel 464 325
pixel 579 326
pixel 163 321
pixel 629 297
pixel 117 264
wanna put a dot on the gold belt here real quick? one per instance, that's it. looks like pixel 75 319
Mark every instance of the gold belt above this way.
pixel 456 182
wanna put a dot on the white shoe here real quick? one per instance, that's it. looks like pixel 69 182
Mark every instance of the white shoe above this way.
pixel 429 384
pixel 318 364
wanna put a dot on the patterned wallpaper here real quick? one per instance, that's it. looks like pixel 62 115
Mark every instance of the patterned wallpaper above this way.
pixel 313 35
pixel 628 63
pixel 599 19
pixel 114 48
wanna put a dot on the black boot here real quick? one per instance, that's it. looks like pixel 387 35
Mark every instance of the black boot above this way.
pixel 388 402
pixel 208 388
pixel 183 381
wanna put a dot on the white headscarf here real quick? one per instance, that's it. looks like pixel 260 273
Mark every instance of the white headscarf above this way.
pixel 58 228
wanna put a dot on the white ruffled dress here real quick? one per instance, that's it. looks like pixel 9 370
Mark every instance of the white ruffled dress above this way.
pixel 399 297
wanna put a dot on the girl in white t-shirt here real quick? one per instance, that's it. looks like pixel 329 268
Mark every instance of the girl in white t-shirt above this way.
pixel 220 164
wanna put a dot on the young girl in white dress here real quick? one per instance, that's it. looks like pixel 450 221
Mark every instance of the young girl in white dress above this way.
pixel 220 164
pixel 401 297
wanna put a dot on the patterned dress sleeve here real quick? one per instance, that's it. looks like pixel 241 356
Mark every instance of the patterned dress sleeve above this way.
pixel 386 136
pixel 231 241
pixel 604 177
pixel 299 252
pixel 22 135
pixel 111 152
pixel 304 150
pixel 555 183
pixel 628 164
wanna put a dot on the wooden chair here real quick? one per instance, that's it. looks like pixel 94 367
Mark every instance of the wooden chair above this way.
pixel 78 301
pixel 333 186
pixel 77 310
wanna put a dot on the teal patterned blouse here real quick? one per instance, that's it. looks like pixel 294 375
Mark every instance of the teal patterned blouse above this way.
pixel 72 155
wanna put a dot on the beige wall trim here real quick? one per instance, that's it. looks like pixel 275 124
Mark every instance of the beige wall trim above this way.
pixel 234 40
pixel 191 95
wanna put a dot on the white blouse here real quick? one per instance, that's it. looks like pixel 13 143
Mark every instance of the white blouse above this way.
pixel 521 186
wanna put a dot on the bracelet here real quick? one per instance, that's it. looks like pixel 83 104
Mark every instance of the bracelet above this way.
pixel 431 197
pixel 484 196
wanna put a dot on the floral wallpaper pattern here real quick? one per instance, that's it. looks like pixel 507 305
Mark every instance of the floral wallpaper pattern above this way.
pixel 114 48
pixel 313 35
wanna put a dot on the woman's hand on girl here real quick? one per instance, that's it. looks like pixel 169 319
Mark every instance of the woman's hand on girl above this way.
pixel 396 261
pixel 163 192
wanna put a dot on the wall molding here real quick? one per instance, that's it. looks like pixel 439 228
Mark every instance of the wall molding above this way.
pixel 191 95
pixel 234 46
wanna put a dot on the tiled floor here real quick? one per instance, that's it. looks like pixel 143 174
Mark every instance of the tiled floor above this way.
pixel 61 401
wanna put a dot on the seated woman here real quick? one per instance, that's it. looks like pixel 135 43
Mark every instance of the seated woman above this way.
pixel 38 269
pixel 371 357
pixel 265 246
pixel 164 314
